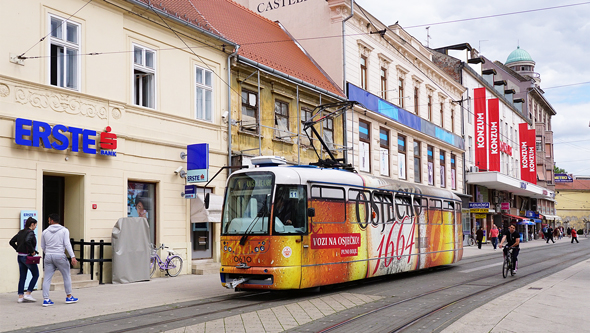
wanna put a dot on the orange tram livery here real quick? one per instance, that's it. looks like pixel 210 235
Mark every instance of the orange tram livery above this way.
pixel 297 227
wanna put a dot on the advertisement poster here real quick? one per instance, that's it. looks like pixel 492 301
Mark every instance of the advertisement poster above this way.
pixel 141 203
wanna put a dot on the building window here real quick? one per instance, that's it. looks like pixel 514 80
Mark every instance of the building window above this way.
pixel 442 114
pixel 383 83
pixel 141 202
pixel 539 143
pixel 364 72
pixel 364 146
pixel 65 47
pixel 384 151
pixel 429 108
pixel 416 94
pixel 306 116
pixel 249 111
pixel 328 134
pixel 443 171
pixel 401 156
pixel 453 173
pixel 470 149
pixel 144 72
pixel 400 88
pixel 204 91
pixel 430 153
pixel 282 120
pixel 417 163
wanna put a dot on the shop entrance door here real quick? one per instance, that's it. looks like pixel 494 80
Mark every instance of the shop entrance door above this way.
pixel 53 198
pixel 64 195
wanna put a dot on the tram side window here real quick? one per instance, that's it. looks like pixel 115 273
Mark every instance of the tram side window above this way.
pixel 329 204
pixel 383 208
pixel 421 207
pixel 435 206
pixel 403 207
pixel 361 200
pixel 449 206
pixel 290 210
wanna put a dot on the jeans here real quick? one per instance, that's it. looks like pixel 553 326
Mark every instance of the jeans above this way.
pixel 23 268
pixel 515 252
pixel 494 241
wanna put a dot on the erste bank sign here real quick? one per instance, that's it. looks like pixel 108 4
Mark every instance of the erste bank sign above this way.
pixel 60 137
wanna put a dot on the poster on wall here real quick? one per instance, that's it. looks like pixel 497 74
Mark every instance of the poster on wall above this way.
pixel 524 150
pixel 141 203
pixel 494 137
pixel 384 165
pixel 401 162
pixel 430 173
pixel 364 156
pixel 481 123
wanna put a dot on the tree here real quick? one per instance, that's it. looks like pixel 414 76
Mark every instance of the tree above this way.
pixel 556 169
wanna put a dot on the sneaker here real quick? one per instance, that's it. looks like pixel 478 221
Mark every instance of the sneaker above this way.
pixel 47 302
pixel 20 300
pixel 71 299
pixel 29 298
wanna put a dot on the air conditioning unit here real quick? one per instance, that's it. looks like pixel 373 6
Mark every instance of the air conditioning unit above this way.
pixel 473 169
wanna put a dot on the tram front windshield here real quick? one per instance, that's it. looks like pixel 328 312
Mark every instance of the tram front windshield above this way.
pixel 247 204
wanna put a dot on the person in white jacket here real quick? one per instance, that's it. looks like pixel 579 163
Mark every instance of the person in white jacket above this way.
pixel 54 241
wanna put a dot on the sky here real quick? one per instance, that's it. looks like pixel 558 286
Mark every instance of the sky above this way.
pixel 558 40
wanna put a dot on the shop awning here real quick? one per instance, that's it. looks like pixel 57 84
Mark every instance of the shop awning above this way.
pixel 525 222
pixel 551 217
pixel 537 220
pixel 514 216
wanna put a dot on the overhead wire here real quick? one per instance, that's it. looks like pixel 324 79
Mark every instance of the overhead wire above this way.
pixel 22 55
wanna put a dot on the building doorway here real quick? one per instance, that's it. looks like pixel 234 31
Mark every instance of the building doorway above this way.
pixel 64 195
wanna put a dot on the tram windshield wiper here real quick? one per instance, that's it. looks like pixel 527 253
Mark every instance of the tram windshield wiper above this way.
pixel 261 214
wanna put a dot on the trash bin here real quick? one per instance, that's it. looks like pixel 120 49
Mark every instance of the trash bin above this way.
pixel 131 250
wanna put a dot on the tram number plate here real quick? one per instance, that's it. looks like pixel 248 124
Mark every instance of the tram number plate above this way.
pixel 293 194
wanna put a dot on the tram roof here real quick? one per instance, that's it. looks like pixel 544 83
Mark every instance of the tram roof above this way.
pixel 303 174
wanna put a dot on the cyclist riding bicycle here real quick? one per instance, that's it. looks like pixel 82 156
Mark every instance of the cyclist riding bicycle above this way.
pixel 513 240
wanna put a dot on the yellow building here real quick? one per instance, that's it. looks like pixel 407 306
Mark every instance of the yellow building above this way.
pixel 275 88
pixel 86 72
pixel 573 202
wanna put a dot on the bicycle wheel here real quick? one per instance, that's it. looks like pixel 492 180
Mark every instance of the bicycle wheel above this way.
pixel 505 267
pixel 471 242
pixel 153 266
pixel 174 265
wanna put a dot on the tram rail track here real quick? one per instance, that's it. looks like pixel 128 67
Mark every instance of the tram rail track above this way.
pixel 417 319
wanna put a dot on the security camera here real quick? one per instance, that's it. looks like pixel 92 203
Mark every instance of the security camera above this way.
pixel 179 169
pixel 225 116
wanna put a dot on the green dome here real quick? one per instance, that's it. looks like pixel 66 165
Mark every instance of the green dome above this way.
pixel 518 55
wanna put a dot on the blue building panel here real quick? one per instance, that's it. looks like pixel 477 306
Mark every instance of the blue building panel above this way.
pixel 383 107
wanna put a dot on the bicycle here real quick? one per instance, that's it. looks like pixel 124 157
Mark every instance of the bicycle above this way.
pixel 508 265
pixel 172 265
pixel 471 240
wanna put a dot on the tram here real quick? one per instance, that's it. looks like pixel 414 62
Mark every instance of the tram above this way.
pixel 296 227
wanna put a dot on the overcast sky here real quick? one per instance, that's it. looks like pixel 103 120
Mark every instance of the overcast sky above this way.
pixel 557 39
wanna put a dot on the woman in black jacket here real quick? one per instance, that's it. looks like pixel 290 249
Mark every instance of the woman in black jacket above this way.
pixel 25 243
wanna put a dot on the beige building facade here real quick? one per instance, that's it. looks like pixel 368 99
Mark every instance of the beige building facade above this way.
pixel 94 75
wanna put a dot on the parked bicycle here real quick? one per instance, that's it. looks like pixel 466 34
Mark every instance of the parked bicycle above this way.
pixel 172 265
pixel 471 240
pixel 508 265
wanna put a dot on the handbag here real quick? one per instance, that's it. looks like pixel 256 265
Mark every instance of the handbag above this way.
pixel 33 260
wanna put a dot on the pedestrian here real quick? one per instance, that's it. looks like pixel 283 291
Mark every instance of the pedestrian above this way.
pixel 549 235
pixel 54 241
pixel 494 235
pixel 25 242
pixel 574 234
pixel 479 237
pixel 556 233
pixel 569 231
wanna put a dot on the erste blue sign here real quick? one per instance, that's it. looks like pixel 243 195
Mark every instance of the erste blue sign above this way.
pixel 197 163
pixel 60 137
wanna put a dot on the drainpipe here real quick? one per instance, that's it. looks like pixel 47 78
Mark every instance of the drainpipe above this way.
pixel 229 122
pixel 344 88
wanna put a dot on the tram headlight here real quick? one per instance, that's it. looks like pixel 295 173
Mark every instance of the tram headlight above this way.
pixel 262 248
pixel 255 249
